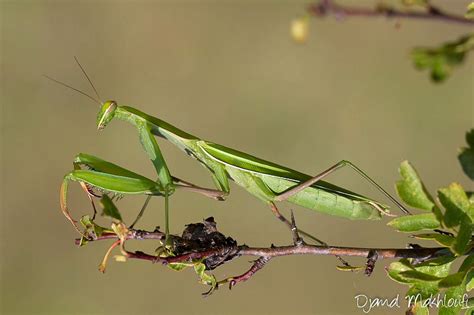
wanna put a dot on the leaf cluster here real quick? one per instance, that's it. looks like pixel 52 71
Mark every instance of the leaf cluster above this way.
pixel 448 221
pixel 441 60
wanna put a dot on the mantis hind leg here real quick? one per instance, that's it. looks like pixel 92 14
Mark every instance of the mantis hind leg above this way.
pixel 283 219
pixel 285 195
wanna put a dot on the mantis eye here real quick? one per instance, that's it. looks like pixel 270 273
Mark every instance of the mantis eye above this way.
pixel 111 108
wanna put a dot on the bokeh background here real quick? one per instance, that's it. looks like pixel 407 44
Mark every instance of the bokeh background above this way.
pixel 229 72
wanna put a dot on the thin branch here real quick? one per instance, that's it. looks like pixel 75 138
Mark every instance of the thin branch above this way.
pixel 265 254
pixel 257 265
pixel 276 251
pixel 222 249
pixel 132 235
pixel 329 7
pixel 383 253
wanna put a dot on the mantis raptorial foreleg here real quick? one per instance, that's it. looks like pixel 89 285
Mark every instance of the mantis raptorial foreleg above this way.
pixel 296 189
pixel 110 177
pixel 153 150
pixel 107 177
pixel 154 153
pixel 169 182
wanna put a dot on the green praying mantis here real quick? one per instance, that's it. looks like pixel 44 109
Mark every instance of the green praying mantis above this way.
pixel 267 181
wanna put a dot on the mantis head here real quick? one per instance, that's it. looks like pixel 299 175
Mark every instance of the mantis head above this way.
pixel 106 114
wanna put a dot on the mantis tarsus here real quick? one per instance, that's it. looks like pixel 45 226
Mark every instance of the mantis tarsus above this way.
pixel 267 181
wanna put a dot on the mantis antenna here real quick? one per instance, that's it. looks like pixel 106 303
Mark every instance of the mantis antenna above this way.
pixel 88 79
pixel 72 88
pixel 97 100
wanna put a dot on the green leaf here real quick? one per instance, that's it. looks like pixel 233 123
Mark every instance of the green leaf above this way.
pixel 92 229
pixel 470 302
pixel 422 289
pixel 439 270
pixel 466 156
pixel 411 189
pixel 444 240
pixel 470 11
pixel 109 208
pixel 441 60
pixel 419 309
pixel 452 280
pixel 454 294
pixel 444 260
pixel 468 267
pixel 439 70
pixel 460 244
pixel 205 278
pixel 395 268
pixel 413 223
pixel 422 278
pixel 402 271
pixel 470 195
pixel 468 263
pixel 455 201
pixel 425 284
pixel 86 221
pixel 419 276
pixel 458 215
pixel 350 268
pixel 83 241
pixel 470 135
pixel 457 286
pixel 178 266
pixel 470 280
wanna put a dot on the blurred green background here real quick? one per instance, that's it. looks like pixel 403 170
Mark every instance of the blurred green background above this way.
pixel 229 72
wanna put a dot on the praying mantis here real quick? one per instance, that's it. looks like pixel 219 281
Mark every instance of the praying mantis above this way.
pixel 269 182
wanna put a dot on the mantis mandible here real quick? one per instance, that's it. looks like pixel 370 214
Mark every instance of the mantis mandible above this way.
pixel 265 180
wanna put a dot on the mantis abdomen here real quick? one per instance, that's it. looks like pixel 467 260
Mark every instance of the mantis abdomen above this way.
pixel 326 201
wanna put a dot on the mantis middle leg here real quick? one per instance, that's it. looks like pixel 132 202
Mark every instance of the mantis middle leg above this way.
pixel 181 184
